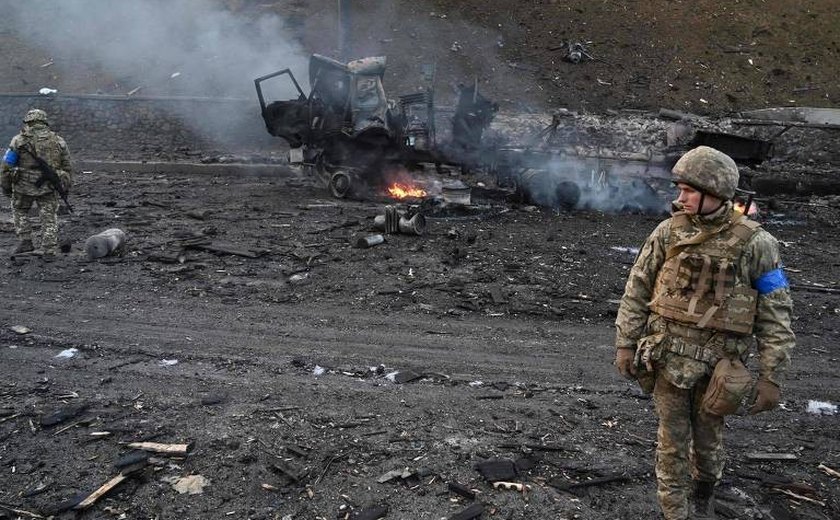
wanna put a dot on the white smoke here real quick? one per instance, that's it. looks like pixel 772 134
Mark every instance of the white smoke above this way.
pixel 181 47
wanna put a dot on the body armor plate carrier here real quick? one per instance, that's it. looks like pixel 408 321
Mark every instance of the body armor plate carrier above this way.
pixel 697 284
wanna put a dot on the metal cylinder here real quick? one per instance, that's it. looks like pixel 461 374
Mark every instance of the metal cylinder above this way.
pixel 415 225
pixel 389 222
pixel 105 244
pixel 364 242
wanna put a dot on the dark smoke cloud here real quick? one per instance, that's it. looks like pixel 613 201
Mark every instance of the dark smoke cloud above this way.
pixel 210 51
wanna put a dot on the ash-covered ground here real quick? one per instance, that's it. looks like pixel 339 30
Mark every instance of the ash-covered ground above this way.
pixel 316 380
pixel 304 370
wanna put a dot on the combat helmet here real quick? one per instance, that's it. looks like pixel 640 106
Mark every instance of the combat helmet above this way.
pixel 709 171
pixel 35 115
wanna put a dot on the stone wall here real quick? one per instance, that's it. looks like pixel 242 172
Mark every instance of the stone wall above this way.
pixel 97 126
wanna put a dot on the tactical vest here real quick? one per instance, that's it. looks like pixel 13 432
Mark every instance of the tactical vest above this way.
pixel 697 284
pixel 44 143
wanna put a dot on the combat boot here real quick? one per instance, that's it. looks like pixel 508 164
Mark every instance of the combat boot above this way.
pixel 704 500
pixel 24 246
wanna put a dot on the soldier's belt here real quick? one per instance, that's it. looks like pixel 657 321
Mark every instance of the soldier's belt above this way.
pixel 692 350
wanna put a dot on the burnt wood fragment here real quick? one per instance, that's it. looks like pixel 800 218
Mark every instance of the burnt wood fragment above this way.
pixel 497 469
pixel 460 489
pixel 474 510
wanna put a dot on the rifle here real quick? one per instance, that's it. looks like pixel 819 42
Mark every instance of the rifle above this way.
pixel 48 174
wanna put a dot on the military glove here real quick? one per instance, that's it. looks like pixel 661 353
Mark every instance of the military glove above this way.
pixel 6 183
pixel 767 395
pixel 625 361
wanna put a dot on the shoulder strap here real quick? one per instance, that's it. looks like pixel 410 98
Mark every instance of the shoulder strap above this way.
pixel 742 230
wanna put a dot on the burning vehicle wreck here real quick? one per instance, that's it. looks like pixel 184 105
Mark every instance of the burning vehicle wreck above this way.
pixel 359 143
pixel 348 133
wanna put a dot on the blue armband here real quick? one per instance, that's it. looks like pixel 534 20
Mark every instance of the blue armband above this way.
pixel 11 157
pixel 770 281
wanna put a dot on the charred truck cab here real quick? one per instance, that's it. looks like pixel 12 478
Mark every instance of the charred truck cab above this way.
pixel 347 132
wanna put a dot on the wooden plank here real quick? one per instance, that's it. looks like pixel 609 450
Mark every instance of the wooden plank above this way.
pixel 103 489
pixel 765 456
pixel 165 449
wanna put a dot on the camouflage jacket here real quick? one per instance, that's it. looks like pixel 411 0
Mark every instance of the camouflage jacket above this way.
pixel 48 145
pixel 637 326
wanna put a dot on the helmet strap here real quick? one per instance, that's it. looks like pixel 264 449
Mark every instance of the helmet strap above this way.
pixel 700 205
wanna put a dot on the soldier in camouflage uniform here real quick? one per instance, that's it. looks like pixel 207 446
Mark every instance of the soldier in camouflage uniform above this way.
pixel 20 176
pixel 706 282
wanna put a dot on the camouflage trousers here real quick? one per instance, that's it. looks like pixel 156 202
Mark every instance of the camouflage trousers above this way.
pixel 690 445
pixel 48 213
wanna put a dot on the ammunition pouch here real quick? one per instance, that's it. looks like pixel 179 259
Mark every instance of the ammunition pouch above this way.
pixel 653 348
pixel 648 350
pixel 730 385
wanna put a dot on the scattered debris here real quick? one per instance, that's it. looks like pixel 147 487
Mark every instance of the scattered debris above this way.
pixel 821 408
pixel 61 415
pixel 364 242
pixel 766 456
pixel 565 485
pixel 20 511
pixel 828 471
pixel 109 242
pixel 629 250
pixel 108 486
pixel 511 486
pixel 168 362
pixel 190 484
pixel 456 192
pixel 131 458
pixel 797 496
pixel 293 473
pixel 461 490
pixel 494 470
pixel 395 474
pixel 20 329
pixel 394 221
pixel 576 52
pixel 299 277
pixel 474 510
pixel 371 513
pixel 67 353
pixel 179 450
pixel 228 249
pixel 404 376
pixel 46 91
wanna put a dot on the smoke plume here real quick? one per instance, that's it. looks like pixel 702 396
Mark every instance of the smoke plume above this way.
pixel 183 47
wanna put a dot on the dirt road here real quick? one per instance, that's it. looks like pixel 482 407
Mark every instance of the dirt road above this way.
pixel 304 370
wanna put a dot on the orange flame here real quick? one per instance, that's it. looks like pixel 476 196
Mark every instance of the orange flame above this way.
pixel 404 191
pixel 740 206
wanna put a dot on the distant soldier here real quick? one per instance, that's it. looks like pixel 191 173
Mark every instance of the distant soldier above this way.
pixel 707 281
pixel 24 181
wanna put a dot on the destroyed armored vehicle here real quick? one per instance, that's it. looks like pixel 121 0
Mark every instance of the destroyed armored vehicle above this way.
pixel 350 134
